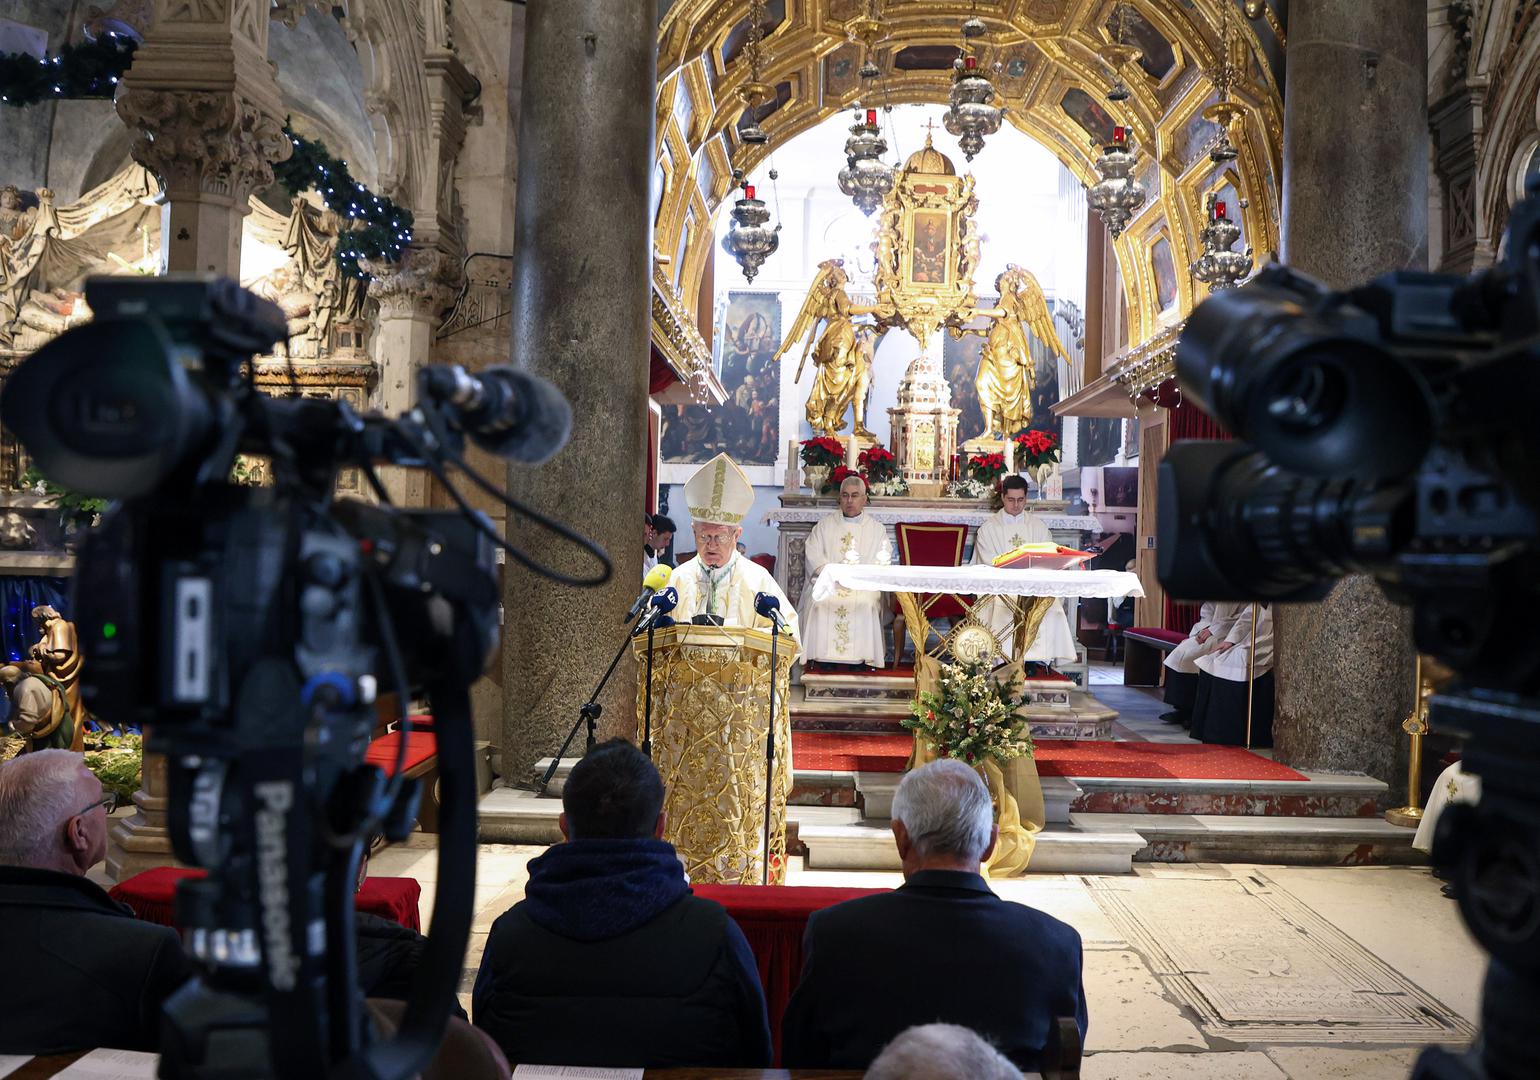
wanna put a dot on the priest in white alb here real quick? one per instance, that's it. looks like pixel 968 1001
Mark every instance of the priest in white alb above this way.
pixel 719 584
pixel 1010 527
pixel 847 627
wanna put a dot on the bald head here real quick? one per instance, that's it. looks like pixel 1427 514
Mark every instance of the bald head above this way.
pixel 852 496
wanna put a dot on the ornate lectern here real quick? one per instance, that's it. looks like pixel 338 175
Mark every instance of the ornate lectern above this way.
pixel 710 715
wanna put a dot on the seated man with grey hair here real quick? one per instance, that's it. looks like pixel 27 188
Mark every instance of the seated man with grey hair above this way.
pixel 941 948
pixel 81 971
pixel 941 1052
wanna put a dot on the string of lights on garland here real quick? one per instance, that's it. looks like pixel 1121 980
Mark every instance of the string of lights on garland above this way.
pixel 90 69
pixel 378 229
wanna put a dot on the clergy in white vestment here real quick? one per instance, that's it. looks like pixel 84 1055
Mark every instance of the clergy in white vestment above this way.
pixel 1215 620
pixel 1219 712
pixel 720 583
pixel 1010 527
pixel 847 627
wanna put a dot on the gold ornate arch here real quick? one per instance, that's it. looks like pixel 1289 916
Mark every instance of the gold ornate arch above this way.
pixel 1043 55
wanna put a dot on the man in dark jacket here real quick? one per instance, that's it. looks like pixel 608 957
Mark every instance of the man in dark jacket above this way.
pixel 80 970
pixel 609 959
pixel 942 948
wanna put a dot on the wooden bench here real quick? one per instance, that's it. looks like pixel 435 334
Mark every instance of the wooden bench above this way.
pixel 421 763
pixel 1144 647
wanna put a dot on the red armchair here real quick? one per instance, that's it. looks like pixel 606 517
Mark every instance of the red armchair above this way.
pixel 928 543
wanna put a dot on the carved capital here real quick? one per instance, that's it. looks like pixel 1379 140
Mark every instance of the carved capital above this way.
pixel 204 143
pixel 422 285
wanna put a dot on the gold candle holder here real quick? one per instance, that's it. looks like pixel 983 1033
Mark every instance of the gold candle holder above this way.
pixel 1415 725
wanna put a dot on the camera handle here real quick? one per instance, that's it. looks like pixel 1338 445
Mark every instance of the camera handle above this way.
pixel 590 711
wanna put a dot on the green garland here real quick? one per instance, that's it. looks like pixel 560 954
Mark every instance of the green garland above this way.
pixel 88 70
pixel 379 229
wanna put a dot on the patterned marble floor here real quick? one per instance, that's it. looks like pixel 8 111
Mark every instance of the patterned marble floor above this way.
pixel 1320 973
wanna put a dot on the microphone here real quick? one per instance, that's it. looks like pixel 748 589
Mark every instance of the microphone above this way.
pixel 768 605
pixel 658 608
pixel 656 578
pixel 506 412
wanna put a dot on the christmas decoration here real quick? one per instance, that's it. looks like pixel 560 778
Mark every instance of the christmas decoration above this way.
pixel 88 70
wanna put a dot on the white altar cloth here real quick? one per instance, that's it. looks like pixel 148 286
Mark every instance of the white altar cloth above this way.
pixel 976 580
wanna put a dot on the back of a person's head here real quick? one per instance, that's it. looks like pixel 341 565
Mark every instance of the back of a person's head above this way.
pixel 38 793
pixel 946 810
pixel 613 793
pixel 941 1052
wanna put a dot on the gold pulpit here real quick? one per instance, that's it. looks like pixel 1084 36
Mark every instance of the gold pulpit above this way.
pixel 710 715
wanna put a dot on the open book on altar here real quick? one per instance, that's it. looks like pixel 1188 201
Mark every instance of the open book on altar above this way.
pixel 1042 555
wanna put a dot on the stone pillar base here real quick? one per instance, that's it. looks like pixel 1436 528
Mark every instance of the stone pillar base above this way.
pixel 143 841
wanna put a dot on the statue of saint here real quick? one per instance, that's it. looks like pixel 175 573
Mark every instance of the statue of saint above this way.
pixel 842 354
pixel 1007 369
pixel 38 710
pixel 57 657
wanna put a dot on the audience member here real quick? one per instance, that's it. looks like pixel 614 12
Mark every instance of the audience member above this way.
pixel 942 947
pixel 82 971
pixel 388 954
pixel 941 1052
pixel 609 959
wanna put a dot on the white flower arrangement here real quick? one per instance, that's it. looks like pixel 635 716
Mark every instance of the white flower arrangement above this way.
pixel 967 488
pixel 972 716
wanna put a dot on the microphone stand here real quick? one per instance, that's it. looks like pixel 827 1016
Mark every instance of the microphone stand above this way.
pixel 652 622
pixel 775 637
pixel 590 710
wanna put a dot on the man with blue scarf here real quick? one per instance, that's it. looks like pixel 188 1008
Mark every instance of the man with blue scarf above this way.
pixel 609 959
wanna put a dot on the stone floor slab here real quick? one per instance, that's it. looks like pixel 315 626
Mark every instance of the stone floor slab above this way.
pixel 1341 1063
pixel 1189 1066
pixel 1128 1008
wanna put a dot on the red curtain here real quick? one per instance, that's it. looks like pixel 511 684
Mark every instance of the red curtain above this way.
pixel 1186 421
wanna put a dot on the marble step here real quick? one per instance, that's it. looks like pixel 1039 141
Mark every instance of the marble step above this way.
pixel 839 839
pixel 1293 841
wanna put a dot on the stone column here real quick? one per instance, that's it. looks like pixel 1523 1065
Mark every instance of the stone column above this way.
pixel 582 318
pixel 209 121
pixel 1355 205
pixel 142 841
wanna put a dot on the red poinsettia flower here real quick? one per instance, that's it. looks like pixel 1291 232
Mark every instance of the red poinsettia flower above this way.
pixel 823 451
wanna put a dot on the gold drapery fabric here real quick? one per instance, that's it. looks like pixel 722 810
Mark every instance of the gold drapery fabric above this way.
pixel 710 714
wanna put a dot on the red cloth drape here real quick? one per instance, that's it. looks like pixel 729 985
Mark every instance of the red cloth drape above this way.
pixel 773 919
pixel 152 896
pixel 1187 421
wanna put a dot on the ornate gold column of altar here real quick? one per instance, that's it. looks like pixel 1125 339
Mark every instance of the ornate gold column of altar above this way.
pixel 1355 204
pixel 209 121
pixel 582 317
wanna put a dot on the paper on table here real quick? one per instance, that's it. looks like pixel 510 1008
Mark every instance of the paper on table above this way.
pixel 9 1063
pixel 576 1072
pixel 111 1065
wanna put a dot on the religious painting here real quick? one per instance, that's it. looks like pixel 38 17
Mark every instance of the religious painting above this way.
pixel 1099 439
pixel 659 184
pixel 1156 55
pixel 1163 269
pixel 928 248
pixel 738 36
pixel 747 425
pixel 1192 140
pixel 1089 113
pixel 840 72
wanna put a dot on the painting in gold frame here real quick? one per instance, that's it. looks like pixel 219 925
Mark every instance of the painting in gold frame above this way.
pixel 930 248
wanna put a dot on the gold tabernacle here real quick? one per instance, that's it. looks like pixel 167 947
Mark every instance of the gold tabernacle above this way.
pixel 710 713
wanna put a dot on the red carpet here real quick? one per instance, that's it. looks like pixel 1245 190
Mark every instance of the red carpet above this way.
pixel 838 752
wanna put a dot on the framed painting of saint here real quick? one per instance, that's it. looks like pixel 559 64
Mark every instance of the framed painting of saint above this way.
pixel 930 248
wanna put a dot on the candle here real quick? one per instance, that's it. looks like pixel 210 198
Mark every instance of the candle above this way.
pixel 748 191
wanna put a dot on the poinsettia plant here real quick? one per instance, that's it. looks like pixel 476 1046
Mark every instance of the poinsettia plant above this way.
pixel 878 465
pixel 823 452
pixel 837 477
pixel 1034 447
pixel 987 467
pixel 972 716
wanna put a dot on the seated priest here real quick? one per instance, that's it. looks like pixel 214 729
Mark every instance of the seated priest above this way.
pixel 719 585
pixel 1215 619
pixel 847 627
pixel 1010 527
pixel 1219 711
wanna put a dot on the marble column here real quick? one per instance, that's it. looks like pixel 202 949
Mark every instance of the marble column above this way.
pixel 208 118
pixel 1355 205
pixel 582 318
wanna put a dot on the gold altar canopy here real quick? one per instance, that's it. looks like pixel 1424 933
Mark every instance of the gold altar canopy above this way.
pixel 710 714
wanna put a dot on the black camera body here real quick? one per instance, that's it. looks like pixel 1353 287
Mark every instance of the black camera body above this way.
pixel 1391 430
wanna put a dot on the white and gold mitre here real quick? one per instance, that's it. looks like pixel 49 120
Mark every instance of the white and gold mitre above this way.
pixel 719 493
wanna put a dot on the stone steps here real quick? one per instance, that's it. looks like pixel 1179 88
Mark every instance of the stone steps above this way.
pixel 1291 841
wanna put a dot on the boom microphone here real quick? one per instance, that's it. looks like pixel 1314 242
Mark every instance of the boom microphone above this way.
pixel 656 578
pixel 507 412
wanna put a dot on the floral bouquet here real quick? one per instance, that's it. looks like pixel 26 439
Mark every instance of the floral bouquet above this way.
pixel 878 465
pixel 967 488
pixel 971 716
pixel 987 468
pixel 1035 448
pixel 838 477
pixel 824 452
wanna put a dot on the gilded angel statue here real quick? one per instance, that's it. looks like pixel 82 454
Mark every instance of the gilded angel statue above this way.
pixel 842 353
pixel 1007 370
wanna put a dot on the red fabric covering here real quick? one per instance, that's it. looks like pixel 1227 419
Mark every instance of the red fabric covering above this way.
pixel 773 918
pixel 766 560
pixel 420 746
pixel 932 543
pixel 842 752
pixel 1173 636
pixel 152 896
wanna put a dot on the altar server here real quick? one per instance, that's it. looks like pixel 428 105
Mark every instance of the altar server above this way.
pixel 1219 711
pixel 719 583
pixel 1010 527
pixel 847 627
pixel 1215 620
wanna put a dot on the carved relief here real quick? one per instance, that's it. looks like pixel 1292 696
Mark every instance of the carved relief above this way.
pixel 204 143
pixel 423 284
